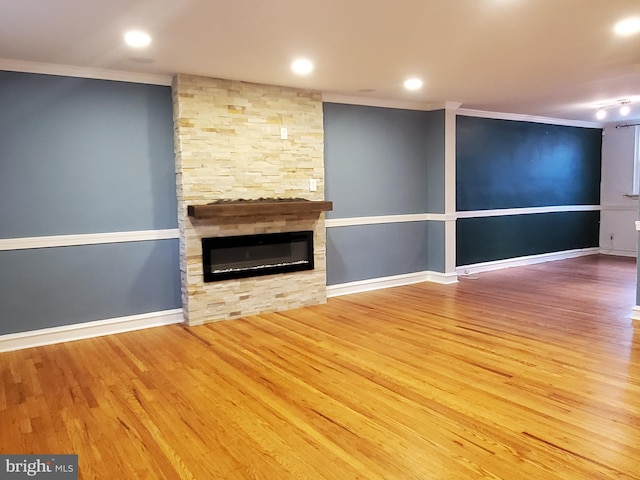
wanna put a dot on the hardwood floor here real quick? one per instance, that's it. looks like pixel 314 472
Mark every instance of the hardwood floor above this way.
pixel 524 373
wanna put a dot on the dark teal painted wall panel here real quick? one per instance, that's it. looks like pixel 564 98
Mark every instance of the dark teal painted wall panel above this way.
pixel 512 164
pixel 50 287
pixel 497 238
pixel 383 161
pixel 84 156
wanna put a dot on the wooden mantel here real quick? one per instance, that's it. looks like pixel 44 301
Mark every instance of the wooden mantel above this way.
pixel 244 208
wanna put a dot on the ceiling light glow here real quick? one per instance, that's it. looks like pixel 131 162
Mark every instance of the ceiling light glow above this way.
pixel 137 39
pixel 622 106
pixel 302 66
pixel 413 84
pixel 628 26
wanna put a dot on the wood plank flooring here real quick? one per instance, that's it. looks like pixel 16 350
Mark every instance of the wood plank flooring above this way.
pixel 525 373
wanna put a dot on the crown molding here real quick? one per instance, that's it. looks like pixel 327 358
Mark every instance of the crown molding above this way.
pixel 528 118
pixel 378 102
pixel 84 72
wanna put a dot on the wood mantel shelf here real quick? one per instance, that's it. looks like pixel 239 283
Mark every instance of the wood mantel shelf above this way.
pixel 245 208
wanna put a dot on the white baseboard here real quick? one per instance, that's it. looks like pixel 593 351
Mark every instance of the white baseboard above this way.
pixel 391 281
pixel 78 331
pixel 523 261
pixel 442 278
pixel 618 253
pixel 635 314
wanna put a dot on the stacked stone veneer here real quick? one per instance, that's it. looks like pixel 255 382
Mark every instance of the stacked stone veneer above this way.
pixel 229 146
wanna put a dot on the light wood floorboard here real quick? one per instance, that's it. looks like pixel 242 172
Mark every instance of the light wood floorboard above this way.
pixel 524 373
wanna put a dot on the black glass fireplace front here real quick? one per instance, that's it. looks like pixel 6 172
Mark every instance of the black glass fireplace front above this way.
pixel 224 258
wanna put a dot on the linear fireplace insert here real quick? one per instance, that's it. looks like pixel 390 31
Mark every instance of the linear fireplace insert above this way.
pixel 224 258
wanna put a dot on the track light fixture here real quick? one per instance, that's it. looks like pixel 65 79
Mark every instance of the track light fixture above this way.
pixel 623 105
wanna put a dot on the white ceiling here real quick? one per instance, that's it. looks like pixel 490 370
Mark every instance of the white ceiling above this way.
pixel 554 58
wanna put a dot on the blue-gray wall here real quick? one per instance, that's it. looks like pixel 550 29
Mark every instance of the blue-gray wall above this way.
pixel 85 156
pixel 383 161
pixel 512 164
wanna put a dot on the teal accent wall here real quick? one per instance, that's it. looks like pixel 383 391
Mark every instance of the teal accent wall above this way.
pixel 488 239
pixel 504 164
pixel 515 164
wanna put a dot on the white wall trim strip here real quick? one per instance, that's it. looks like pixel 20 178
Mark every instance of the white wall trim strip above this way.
pixel 84 72
pixel 450 189
pixel 78 331
pixel 526 211
pixel 86 239
pixel 416 217
pixel 441 217
pixel 523 261
pixel 391 281
pixel 635 314
pixel 528 118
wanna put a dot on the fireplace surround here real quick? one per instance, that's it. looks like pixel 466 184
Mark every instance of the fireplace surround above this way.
pixel 229 146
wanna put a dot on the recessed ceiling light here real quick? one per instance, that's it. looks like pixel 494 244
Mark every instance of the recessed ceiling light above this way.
pixel 624 110
pixel 137 39
pixel 628 26
pixel 413 84
pixel 302 66
pixel 601 114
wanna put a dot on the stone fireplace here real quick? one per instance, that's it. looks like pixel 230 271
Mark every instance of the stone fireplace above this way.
pixel 238 142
